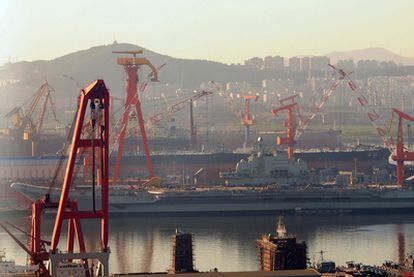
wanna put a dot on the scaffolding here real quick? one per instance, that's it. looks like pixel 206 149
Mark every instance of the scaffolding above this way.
pixel 182 256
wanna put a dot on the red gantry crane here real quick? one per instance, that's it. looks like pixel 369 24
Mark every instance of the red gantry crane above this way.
pixel 94 98
pixel 296 123
pixel 399 152
pixel 290 105
pixel 248 118
pixel 131 66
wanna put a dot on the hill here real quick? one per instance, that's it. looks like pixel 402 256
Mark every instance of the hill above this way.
pixel 373 53
pixel 99 62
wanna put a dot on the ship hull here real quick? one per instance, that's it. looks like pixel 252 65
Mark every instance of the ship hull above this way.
pixel 232 202
pixel 43 168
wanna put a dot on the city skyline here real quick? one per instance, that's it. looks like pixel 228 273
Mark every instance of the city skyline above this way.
pixel 228 32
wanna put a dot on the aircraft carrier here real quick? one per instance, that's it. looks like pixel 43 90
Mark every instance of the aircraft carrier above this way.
pixel 265 183
pixel 124 200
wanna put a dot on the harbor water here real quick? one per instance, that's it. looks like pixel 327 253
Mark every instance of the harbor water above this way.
pixel 143 244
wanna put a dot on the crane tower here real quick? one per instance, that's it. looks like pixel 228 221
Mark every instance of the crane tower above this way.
pixel 93 110
pixel 131 66
pixel 290 105
pixel 248 118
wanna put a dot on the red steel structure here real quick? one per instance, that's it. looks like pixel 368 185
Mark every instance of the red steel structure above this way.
pixel 290 105
pixel 401 155
pixel 131 66
pixel 297 123
pixel 96 97
pixel 248 118
pixel 398 151
pixel 374 116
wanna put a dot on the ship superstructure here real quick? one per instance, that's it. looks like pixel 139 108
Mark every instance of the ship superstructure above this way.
pixel 263 168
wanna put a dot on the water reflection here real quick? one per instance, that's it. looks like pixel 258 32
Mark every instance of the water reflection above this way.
pixel 143 244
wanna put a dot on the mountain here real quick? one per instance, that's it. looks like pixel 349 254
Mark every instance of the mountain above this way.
pixel 373 53
pixel 99 62
pixel 69 72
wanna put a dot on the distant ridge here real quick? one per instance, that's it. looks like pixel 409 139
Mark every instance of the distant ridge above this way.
pixel 86 65
pixel 99 62
pixel 372 53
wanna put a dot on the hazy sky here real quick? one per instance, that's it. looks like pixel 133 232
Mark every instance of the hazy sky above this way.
pixel 222 30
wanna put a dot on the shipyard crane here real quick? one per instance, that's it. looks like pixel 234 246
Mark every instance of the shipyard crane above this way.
pixel 305 120
pixel 248 118
pixel 28 122
pixel 159 117
pixel 113 98
pixel 93 107
pixel 378 122
pixel 401 154
pixel 398 150
pixel 193 129
pixel 290 105
pixel 297 122
pixel 131 66
pixel 229 100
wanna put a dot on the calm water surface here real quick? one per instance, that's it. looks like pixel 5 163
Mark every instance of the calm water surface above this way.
pixel 228 242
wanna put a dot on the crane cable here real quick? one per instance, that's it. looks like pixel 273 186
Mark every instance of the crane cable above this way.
pixel 62 154
pixel 92 137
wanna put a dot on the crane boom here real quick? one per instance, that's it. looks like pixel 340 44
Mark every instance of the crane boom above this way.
pixel 304 122
pixel 28 123
pixel 378 122
pixel 157 118
pixel 229 100
pixel 397 149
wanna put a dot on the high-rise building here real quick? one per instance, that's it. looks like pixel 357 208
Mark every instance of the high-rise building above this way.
pixel 367 65
pixel 348 65
pixel 254 62
pixel 305 64
pixel 277 85
pixel 319 62
pixel 279 63
pixel 268 62
pixel 274 63
pixel 238 87
pixel 294 64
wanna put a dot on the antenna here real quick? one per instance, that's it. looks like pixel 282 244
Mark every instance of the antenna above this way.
pixel 281 228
